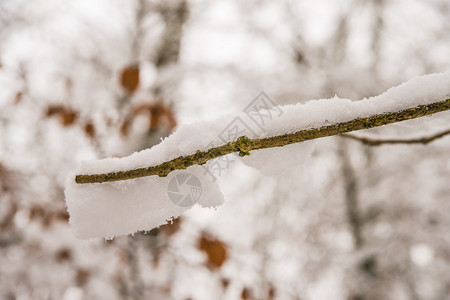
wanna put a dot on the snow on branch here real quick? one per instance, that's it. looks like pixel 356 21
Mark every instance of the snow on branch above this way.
pixel 118 196
pixel 243 145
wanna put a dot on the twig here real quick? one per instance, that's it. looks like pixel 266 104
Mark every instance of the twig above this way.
pixel 373 142
pixel 244 145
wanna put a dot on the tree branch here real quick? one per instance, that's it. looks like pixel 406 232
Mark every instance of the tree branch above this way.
pixel 244 145
pixel 373 142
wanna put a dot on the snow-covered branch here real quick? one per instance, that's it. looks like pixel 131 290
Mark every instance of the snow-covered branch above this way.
pixel 243 145
pixel 122 195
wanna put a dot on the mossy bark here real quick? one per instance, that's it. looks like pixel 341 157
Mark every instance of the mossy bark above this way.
pixel 244 145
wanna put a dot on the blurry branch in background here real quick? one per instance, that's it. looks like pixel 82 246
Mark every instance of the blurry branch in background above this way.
pixel 351 195
pixel 244 145
pixel 375 142
pixel 157 108
pixel 174 16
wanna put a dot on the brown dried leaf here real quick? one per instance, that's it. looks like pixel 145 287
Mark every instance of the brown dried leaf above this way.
pixel 159 114
pixel 167 117
pixel 215 250
pixel 82 277
pixel 129 78
pixel 53 110
pixel 61 215
pixel 67 116
pixel 63 254
pixel 271 293
pixel 47 215
pixel 142 108
pixel 89 129
pixel 246 294
pixel 18 98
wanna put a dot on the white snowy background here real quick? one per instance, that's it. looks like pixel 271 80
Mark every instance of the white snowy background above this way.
pixel 70 91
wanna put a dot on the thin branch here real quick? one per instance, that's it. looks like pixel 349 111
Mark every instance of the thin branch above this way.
pixel 373 142
pixel 244 145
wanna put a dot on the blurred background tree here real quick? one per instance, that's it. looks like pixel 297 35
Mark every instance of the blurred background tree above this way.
pixel 90 79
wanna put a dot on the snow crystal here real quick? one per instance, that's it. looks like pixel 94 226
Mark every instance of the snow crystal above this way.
pixel 118 208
